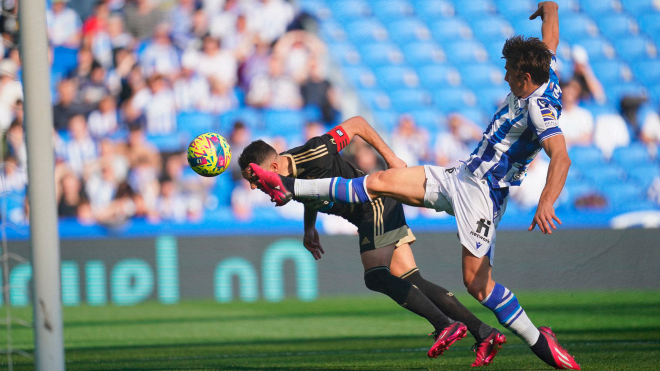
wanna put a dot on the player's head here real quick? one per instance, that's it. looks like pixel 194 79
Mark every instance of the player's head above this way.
pixel 527 64
pixel 260 153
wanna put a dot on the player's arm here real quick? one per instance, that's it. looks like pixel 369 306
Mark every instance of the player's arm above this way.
pixel 547 10
pixel 555 147
pixel 311 237
pixel 360 127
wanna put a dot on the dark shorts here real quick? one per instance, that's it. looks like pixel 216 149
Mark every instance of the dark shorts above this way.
pixel 383 224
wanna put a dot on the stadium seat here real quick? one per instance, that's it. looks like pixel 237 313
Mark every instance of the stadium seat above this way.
pixel 493 28
pixel 405 100
pixel 331 31
pixel 317 8
pixel 195 123
pixel 636 154
pixel 620 194
pixel 431 10
pixel 423 52
pixel 360 76
pixel 408 30
pixel 251 117
pixel 349 9
pixel 386 119
pixel 388 10
pixel 650 23
pixel 575 190
pixel 482 75
pixel 647 71
pixel 604 174
pixel 577 25
pixel 567 6
pixel 434 76
pixel 476 115
pixel 640 7
pixel 612 71
pixel 474 8
pixel 633 48
pixel 523 26
pixel 516 8
pixel 489 98
pixel 453 99
pixel 585 157
pixel 450 29
pixel 396 77
pixel 64 59
pixel 345 53
pixel 375 98
pixel 654 94
pixel 379 54
pixel 174 142
pixel 430 119
pixel 283 122
pixel 597 109
pixel 465 51
pixel 366 31
pixel 494 49
pixel 617 25
pixel 598 48
pixel 598 8
pixel 616 92
pixel 644 175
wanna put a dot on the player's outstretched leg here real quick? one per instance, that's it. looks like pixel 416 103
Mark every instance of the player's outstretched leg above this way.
pixel 405 185
pixel 504 304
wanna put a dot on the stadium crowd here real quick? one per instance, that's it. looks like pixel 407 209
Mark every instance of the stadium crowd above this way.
pixel 131 80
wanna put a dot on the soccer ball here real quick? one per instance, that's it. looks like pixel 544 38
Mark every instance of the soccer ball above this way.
pixel 209 154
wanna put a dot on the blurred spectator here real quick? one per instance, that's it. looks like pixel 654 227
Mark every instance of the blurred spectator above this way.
pixel 611 133
pixel 174 206
pixel 275 89
pixel 141 17
pixel 64 25
pixel 101 188
pixel 367 160
pixel 79 149
pixel 630 106
pixel 139 151
pixel 592 201
pixel 575 122
pixel 244 199
pixel 582 73
pixel 239 138
pixel 453 146
pixel 93 89
pixel 256 64
pixel 651 128
pixel 109 155
pixel 213 56
pixel 13 178
pixel 103 121
pixel 68 106
pixel 270 18
pixel 528 197
pixel 14 144
pixel 11 91
pixel 119 38
pixel 191 90
pixel 85 215
pixel 653 192
pixel 71 196
pixel 313 129
pixel 160 56
pixel 158 106
pixel 222 97
pixel 241 40
pixel 180 18
pixel 298 50
pixel 223 23
pixel 85 65
pixel 409 142
pixel 96 36
pixel 317 91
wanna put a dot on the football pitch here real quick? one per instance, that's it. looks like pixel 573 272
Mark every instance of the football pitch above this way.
pixel 613 330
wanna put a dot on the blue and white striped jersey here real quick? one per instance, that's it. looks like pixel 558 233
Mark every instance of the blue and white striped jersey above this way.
pixel 514 135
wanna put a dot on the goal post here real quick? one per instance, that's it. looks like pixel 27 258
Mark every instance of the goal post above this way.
pixel 44 238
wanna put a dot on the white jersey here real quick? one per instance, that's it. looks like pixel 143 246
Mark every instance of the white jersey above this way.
pixel 514 135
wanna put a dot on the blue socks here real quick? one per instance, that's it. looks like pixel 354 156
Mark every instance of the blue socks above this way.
pixel 510 314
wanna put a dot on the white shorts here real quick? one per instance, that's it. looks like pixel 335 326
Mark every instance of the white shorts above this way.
pixel 458 192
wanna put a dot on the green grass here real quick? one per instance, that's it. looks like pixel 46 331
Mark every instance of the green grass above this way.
pixel 603 330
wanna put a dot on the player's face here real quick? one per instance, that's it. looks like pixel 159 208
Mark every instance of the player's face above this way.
pixel 515 80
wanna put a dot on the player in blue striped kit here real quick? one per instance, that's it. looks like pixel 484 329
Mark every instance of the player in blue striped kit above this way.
pixel 476 193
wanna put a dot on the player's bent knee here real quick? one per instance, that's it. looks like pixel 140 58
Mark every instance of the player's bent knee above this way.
pixel 374 279
pixel 476 288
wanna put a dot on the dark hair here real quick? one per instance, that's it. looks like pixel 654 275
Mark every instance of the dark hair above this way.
pixel 256 153
pixel 528 55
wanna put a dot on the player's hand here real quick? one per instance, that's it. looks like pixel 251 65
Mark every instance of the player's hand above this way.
pixel 545 214
pixel 396 163
pixel 541 9
pixel 312 243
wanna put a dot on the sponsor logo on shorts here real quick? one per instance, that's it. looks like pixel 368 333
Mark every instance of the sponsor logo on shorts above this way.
pixel 365 241
pixel 483 227
pixel 478 245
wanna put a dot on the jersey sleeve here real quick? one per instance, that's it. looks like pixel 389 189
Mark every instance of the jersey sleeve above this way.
pixel 543 118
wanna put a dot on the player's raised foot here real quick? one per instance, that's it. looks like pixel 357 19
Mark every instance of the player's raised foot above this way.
pixel 445 338
pixel 274 185
pixel 549 350
pixel 488 348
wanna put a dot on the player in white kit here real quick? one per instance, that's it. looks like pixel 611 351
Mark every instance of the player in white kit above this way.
pixel 476 192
